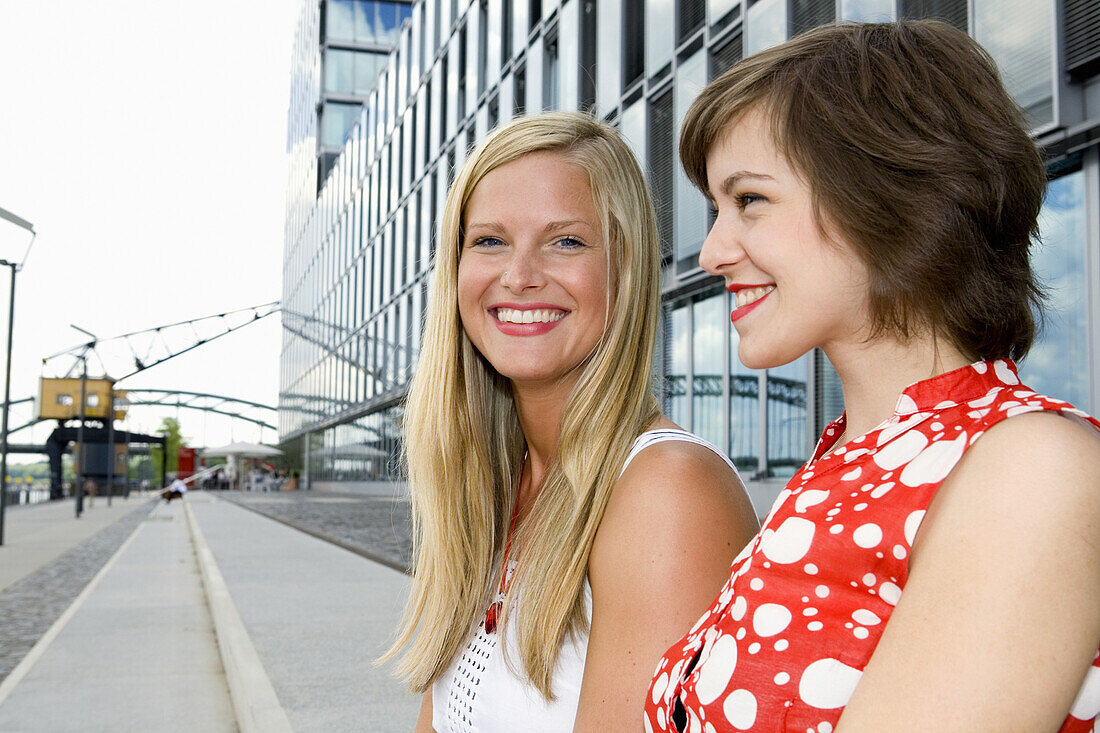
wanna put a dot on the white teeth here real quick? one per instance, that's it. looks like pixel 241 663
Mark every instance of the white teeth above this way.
pixel 751 295
pixel 541 315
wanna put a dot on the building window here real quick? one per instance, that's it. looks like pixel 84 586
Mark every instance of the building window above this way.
pixel 336 119
pixel 766 25
pixel 725 56
pixel 365 21
pixel 482 46
pixel 460 73
pixel 660 24
pixel 608 40
pixel 744 402
pixel 1058 363
pixel 519 95
pixel 690 206
pixel 1019 35
pixel 660 158
pixel 868 11
pixel 493 112
pixel 708 409
pixel 949 11
pixel 807 14
pixel 634 41
pixel 787 426
pixel 505 31
pixel 632 127
pixel 550 74
pixel 678 336
pixel 692 13
pixel 718 10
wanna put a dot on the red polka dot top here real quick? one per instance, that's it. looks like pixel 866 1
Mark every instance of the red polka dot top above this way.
pixel 784 645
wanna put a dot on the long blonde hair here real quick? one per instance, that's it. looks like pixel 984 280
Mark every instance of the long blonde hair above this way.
pixel 463 445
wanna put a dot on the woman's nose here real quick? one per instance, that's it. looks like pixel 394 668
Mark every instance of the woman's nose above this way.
pixel 522 271
pixel 721 248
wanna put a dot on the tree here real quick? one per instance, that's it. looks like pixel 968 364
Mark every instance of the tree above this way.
pixel 170 429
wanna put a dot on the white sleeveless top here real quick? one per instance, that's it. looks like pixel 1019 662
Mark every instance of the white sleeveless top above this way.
pixel 479 694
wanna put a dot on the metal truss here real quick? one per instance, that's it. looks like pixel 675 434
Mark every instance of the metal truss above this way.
pixel 123 356
pixel 218 404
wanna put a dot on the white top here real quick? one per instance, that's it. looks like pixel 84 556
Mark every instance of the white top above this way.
pixel 479 694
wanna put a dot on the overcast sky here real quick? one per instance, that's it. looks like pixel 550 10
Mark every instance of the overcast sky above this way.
pixel 146 142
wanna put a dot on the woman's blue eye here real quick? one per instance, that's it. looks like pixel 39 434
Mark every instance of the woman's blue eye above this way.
pixel 571 243
pixel 487 242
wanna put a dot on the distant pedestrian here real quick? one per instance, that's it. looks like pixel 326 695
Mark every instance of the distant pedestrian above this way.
pixel 90 490
pixel 175 490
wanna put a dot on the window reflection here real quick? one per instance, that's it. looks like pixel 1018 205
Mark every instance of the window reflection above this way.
pixel 1019 35
pixel 709 336
pixel 660 24
pixel 718 9
pixel 766 25
pixel 365 21
pixel 676 351
pixel 744 400
pixel 609 22
pixel 1058 362
pixel 550 73
pixel 868 11
pixel 632 127
pixel 691 207
pixel 787 436
pixel 336 120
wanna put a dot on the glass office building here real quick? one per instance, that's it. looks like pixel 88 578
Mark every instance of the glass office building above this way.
pixel 358 253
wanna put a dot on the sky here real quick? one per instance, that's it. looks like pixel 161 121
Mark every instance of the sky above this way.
pixel 146 143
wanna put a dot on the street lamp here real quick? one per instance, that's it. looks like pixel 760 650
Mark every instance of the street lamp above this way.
pixel 14 267
pixel 81 459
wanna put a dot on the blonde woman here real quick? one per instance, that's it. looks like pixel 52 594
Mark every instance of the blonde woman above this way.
pixel 566 531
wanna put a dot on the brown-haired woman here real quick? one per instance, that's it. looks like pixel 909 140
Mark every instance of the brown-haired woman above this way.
pixel 877 195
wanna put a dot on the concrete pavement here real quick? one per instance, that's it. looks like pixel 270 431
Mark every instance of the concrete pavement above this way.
pixel 151 645
pixel 41 532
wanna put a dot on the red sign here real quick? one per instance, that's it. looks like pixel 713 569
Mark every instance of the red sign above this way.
pixel 186 462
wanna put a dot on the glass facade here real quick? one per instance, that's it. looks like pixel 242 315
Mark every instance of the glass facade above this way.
pixel 358 251
pixel 868 11
pixel 1059 363
pixel 1019 34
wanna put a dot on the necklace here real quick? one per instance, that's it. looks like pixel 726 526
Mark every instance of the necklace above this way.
pixel 494 607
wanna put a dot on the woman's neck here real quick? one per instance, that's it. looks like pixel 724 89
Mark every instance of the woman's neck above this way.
pixel 875 373
pixel 539 410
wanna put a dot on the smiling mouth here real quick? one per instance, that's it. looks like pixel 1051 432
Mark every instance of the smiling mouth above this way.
pixel 748 296
pixel 538 315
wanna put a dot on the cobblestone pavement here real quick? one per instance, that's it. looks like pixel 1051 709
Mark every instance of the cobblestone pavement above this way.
pixel 376 527
pixel 29 606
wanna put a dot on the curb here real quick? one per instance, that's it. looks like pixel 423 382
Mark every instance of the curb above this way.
pixel 16 675
pixel 254 700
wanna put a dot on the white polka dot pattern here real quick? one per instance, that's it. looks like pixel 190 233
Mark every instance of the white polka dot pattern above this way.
pixel 785 643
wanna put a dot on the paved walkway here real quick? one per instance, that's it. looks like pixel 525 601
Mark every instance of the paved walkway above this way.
pixel 37 534
pixel 211 617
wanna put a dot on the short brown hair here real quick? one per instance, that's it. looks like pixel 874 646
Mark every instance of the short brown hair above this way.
pixel 914 154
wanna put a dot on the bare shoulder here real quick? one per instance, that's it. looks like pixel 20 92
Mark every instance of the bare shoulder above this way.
pixel 1042 458
pixel 1035 477
pixel 676 519
pixel 681 498
pixel 679 470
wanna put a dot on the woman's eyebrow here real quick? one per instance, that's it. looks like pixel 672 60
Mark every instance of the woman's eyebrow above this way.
pixel 734 178
pixel 556 225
